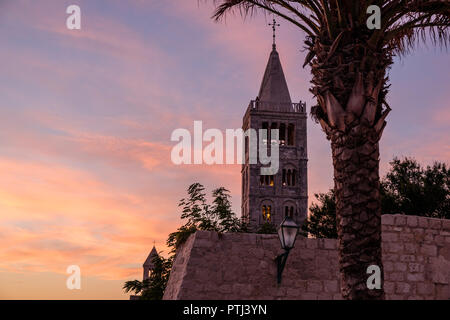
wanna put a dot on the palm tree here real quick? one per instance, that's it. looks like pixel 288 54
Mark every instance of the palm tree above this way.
pixel 136 286
pixel 349 64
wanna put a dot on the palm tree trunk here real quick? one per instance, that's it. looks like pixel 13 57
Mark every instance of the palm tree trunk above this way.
pixel 358 208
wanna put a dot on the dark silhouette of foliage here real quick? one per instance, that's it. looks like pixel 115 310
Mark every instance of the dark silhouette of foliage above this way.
pixel 407 188
pixel 199 215
pixel 153 287
pixel 410 189
pixel 322 220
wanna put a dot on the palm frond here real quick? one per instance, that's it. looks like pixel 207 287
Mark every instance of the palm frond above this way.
pixel 281 8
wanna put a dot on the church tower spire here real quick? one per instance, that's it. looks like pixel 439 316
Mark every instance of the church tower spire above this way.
pixel 273 85
pixel 149 265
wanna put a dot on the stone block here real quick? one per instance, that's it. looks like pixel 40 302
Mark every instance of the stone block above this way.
pixel 396 276
pixel 406 236
pixel 415 277
pixel 402 288
pixel 425 288
pixel 300 285
pixel 309 296
pixel 435 224
pixel 390 236
pixel 292 292
pixel 314 286
pixel 422 222
pixel 333 255
pixel 415 267
pixel 410 248
pixel 411 221
pixel 300 243
pixel 445 252
pixel 400 266
pixel 324 296
pixel 415 297
pixel 428 250
pixel 331 286
pixel 442 292
pixel 395 247
pixel 312 243
pixel 225 288
pixel 230 276
pixel 390 257
pixel 387 219
pixel 308 254
pixel 440 270
pixel 388 266
pixel 203 243
pixel 446 224
pixel 389 287
pixel 439 240
pixel 281 292
pixel 251 238
pixel 200 234
pixel 428 237
pixel 400 220
pixel 330 244
pixel 258 253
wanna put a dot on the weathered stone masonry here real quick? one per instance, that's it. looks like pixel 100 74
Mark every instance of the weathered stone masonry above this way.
pixel 416 258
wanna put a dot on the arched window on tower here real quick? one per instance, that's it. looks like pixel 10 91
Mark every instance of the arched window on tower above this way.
pixel 266 180
pixel 290 209
pixel 289 176
pixel 266 211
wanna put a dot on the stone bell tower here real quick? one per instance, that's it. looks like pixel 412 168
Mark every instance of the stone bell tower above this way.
pixel 269 198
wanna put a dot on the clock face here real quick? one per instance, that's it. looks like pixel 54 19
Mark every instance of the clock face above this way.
pixel 112 111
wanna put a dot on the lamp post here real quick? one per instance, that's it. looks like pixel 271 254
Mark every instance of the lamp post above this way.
pixel 287 232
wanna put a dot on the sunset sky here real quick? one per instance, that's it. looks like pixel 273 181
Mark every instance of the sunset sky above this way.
pixel 86 117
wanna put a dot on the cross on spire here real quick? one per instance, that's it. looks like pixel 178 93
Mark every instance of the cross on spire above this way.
pixel 274 24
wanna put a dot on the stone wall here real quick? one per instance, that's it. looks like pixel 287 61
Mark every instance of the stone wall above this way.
pixel 416 258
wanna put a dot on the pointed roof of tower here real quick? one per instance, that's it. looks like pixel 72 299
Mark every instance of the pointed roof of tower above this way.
pixel 151 256
pixel 274 86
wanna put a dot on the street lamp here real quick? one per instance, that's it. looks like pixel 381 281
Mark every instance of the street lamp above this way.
pixel 287 232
